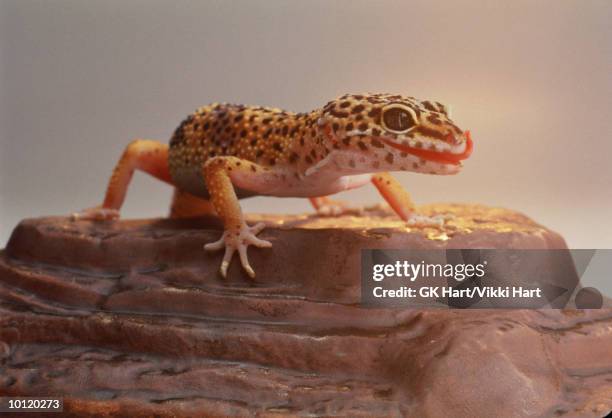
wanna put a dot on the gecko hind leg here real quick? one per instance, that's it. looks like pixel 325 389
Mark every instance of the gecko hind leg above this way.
pixel 186 205
pixel 141 154
pixel 329 207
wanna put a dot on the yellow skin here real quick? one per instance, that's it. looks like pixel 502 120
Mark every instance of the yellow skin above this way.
pixel 224 152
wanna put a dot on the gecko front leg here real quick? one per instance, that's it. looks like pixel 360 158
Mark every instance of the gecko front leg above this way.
pixel 399 199
pixel 221 175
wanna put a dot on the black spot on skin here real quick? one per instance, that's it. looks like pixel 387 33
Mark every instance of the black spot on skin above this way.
pixel 267 133
pixel 266 121
pixel 375 132
pixel 313 153
pixel 349 127
pixel 238 118
pixel 357 109
pixel 456 128
pixel 432 133
pixel 259 153
pixel 272 161
pixel 345 104
pixel 253 142
pixel 253 168
pixel 178 137
pixel 375 142
pixel 389 158
pixel 255 128
pixel 335 127
pixel 358 97
pixel 363 126
pixel 308 159
pixel 243 133
pixel 362 146
pixel 429 106
pixel 346 140
pixel 338 114
pixel 434 120
pixel 293 157
pixel 277 146
pixel 285 130
pixel 206 126
pixel 302 141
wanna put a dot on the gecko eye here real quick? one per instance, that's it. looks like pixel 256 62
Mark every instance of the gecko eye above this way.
pixel 398 118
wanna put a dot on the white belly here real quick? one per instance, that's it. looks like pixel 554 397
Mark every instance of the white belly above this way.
pixel 319 186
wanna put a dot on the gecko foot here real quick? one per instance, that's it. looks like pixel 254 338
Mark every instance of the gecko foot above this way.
pixel 97 213
pixel 336 208
pixel 422 220
pixel 238 239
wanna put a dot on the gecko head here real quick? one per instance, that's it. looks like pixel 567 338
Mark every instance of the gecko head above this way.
pixel 385 132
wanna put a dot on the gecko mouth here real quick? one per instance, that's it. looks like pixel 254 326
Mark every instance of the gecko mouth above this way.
pixel 437 156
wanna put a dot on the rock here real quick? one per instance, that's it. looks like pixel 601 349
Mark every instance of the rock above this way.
pixel 130 318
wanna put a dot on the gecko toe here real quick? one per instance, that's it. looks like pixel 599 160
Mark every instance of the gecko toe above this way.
pixel 425 221
pixel 260 243
pixel 239 241
pixel 97 213
pixel 244 260
pixel 215 246
pixel 257 228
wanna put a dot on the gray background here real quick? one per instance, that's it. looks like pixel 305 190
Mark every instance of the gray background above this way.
pixel 531 79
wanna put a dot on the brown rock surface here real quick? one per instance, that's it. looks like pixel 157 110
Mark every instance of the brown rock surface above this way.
pixel 130 318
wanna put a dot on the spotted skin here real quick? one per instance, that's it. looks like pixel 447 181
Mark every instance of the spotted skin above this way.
pixel 224 152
